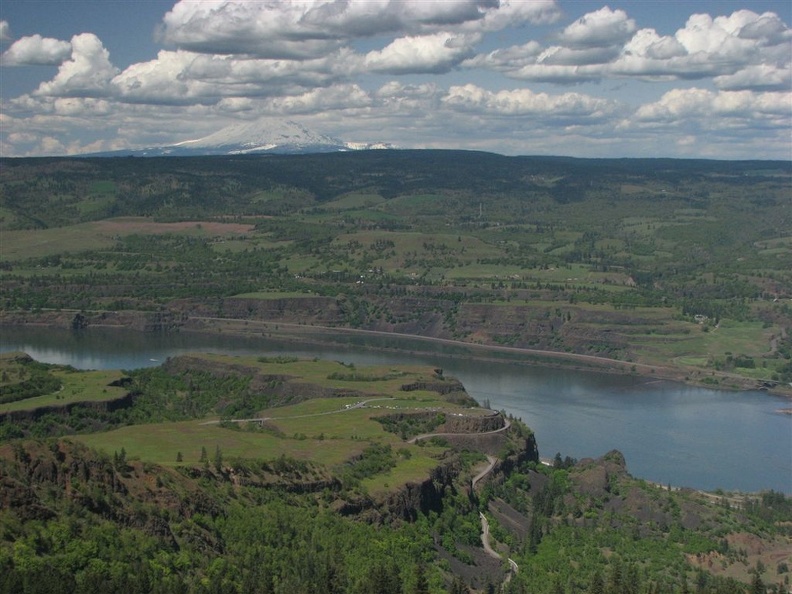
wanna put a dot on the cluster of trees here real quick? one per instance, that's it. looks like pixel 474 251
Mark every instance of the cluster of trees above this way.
pixel 206 536
pixel 31 379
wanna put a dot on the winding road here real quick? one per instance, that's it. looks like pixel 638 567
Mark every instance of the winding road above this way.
pixel 506 425
pixel 491 460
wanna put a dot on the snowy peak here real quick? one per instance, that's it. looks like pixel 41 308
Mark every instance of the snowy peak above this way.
pixel 264 136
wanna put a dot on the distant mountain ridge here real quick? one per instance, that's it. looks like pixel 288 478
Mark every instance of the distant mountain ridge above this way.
pixel 281 137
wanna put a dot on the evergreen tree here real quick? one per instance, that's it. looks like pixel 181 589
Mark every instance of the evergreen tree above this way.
pixel 458 587
pixel 757 585
pixel 421 581
pixel 615 578
pixel 218 459
pixel 596 584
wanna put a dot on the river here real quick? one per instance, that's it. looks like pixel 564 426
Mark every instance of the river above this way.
pixel 669 433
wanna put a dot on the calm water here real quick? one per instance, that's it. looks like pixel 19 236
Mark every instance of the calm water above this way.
pixel 669 433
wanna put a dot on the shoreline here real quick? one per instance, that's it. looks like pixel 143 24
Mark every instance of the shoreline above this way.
pixel 329 337
pixel 303 333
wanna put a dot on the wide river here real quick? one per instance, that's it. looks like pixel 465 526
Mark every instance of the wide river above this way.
pixel 669 433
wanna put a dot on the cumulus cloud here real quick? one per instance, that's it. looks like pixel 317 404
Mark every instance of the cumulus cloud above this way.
pixel 86 74
pixel 703 105
pixel 396 99
pixel 36 50
pixel 5 32
pixel 765 77
pixel 78 106
pixel 524 102
pixel 293 29
pixel 323 61
pixel 436 53
pixel 184 77
pixel 338 97
pixel 706 46
pixel 602 28
pixel 510 13
pixel 736 50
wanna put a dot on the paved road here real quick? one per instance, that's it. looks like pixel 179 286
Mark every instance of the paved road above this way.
pixel 506 425
pixel 485 542
pixel 492 460
pixel 485 538
pixel 657 369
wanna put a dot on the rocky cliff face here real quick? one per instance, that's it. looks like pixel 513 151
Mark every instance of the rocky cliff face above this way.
pixel 512 325
pixel 423 497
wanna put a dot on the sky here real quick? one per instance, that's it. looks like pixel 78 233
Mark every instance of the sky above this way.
pixel 637 78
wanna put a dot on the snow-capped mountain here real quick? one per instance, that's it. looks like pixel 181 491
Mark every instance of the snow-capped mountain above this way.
pixel 258 137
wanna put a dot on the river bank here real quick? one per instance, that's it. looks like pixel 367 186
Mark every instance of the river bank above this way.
pixel 671 432
pixel 329 335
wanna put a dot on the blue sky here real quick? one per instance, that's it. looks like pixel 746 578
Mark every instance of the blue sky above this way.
pixel 581 78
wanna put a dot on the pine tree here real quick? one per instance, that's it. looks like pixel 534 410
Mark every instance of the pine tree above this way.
pixel 421 582
pixel 218 459
pixel 596 583
pixel 757 585
pixel 458 587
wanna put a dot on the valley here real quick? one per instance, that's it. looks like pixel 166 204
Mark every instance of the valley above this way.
pixel 275 473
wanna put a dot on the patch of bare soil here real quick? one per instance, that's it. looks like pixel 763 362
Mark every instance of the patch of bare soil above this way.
pixel 745 553
pixel 508 517
pixel 484 570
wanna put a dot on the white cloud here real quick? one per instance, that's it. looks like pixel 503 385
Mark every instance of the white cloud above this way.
pixel 37 51
pixel 232 60
pixel 339 97
pixel 705 107
pixel 523 102
pixel 183 77
pixel 765 77
pixel 564 56
pixel 602 28
pixel 646 43
pixel 87 74
pixel 512 13
pixel 737 49
pixel 5 32
pixel 159 81
pixel 508 58
pixel 435 53
pixel 296 29
pixel 236 105
pixel 395 99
